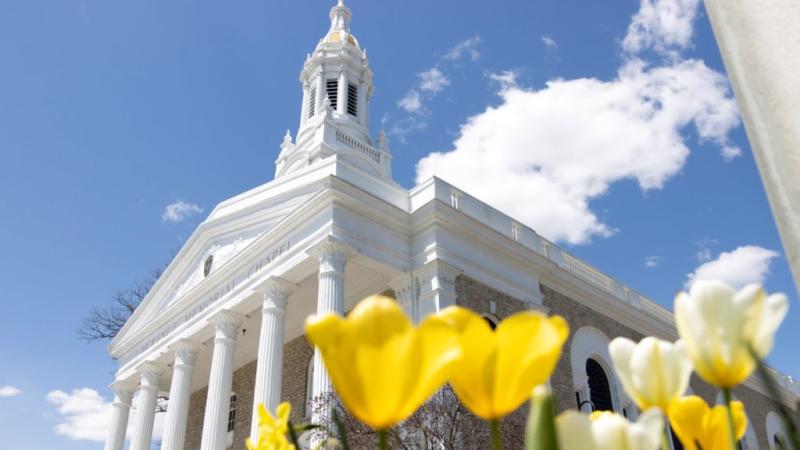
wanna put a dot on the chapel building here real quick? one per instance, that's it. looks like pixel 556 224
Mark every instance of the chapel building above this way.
pixel 222 329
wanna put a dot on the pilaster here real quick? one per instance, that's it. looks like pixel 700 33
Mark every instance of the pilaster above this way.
pixel 436 283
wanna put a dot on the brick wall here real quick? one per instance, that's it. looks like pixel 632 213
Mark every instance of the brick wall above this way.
pixel 476 296
pixel 296 357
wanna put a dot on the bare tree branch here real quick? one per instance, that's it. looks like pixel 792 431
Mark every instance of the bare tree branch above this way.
pixel 103 323
pixel 441 423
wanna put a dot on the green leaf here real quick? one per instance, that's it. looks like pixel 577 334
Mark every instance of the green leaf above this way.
pixel 293 434
pixel 540 433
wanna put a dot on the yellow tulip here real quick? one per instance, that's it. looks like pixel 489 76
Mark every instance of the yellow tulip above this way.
pixel 695 423
pixel 500 368
pixel 653 372
pixel 272 429
pixel 718 325
pixel 605 430
pixel 382 367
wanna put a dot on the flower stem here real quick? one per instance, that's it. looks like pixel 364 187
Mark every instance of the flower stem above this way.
pixel 665 438
pixel 497 439
pixel 382 440
pixel 726 394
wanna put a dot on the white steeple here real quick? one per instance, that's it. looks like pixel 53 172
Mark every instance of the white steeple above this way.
pixel 337 88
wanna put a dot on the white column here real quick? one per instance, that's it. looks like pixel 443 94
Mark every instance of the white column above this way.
pixel 270 349
pixel 321 92
pixel 341 93
pixel 304 107
pixel 219 384
pixel 179 392
pixel 119 418
pixel 142 436
pixel 330 298
pixel 362 103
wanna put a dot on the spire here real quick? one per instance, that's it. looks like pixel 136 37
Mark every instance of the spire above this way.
pixel 337 88
pixel 340 17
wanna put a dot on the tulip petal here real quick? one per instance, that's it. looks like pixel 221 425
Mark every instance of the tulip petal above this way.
pixel 645 434
pixel 377 319
pixel 323 330
pixel 767 321
pixel 528 347
pixel 717 325
pixel 610 431
pixel 473 377
pixel 621 349
pixel 685 416
pixel 439 352
pixel 574 431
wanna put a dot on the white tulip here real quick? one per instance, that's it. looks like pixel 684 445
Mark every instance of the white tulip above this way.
pixel 718 325
pixel 653 372
pixel 609 431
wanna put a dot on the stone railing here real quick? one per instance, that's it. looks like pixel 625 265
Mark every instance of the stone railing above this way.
pixel 571 264
pixel 358 145
pixel 587 273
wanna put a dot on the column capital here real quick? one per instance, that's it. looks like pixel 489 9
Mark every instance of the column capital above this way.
pixel 227 323
pixel 185 351
pixel 275 293
pixel 332 254
pixel 151 373
pixel 123 392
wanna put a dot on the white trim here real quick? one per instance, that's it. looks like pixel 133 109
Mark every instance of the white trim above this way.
pixel 591 343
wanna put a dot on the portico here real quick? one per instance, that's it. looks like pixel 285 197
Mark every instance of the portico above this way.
pixel 331 228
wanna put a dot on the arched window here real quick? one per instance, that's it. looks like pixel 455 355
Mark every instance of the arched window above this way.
pixel 776 434
pixel 599 386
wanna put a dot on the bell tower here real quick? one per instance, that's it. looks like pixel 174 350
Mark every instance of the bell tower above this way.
pixel 337 88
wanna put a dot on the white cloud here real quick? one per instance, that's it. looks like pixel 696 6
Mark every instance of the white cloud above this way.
pixel 652 261
pixel 430 83
pixel 549 42
pixel 704 254
pixel 85 415
pixel 665 26
pixel 729 153
pixel 9 391
pixel 179 211
pixel 432 80
pixel 507 79
pixel 742 266
pixel 411 102
pixel 466 47
pixel 543 155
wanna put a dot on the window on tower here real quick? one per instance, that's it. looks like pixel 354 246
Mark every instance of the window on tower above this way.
pixel 352 99
pixel 332 88
pixel 312 101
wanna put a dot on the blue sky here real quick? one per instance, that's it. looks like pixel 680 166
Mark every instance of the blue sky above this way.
pixel 111 111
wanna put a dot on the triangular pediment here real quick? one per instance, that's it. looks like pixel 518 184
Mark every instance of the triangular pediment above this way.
pixel 234 226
